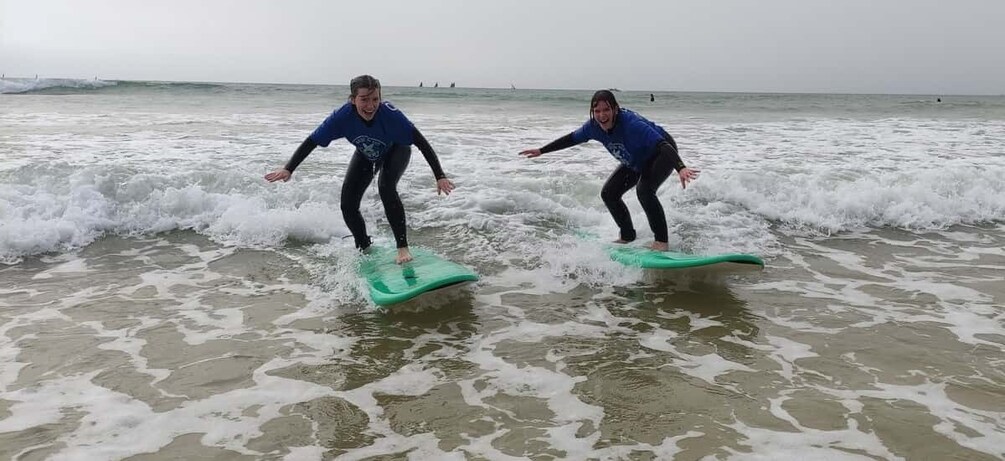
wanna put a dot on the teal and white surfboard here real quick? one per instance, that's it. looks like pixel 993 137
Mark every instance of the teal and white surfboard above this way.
pixel 392 283
pixel 650 259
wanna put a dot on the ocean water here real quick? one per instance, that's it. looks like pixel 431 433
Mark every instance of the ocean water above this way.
pixel 160 300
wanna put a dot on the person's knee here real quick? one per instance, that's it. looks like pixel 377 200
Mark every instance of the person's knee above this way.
pixel 388 193
pixel 647 195
pixel 609 195
pixel 349 208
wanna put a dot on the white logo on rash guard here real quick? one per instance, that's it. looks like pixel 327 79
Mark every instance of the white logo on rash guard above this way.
pixel 618 151
pixel 372 148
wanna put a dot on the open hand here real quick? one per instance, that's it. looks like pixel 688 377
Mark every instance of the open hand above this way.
pixel 687 175
pixel 278 175
pixel 444 186
pixel 531 153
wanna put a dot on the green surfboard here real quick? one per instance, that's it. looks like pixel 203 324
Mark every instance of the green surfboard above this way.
pixel 392 283
pixel 651 259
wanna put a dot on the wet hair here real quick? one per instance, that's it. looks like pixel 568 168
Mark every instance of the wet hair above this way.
pixel 363 81
pixel 606 96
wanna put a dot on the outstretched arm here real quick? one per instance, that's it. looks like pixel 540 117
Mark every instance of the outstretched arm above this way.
pixel 666 148
pixel 284 173
pixel 428 153
pixel 686 174
pixel 443 185
pixel 561 143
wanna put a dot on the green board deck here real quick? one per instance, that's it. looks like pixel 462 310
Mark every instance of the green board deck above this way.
pixel 651 259
pixel 392 283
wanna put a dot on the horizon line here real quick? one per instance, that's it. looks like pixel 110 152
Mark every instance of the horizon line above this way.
pixel 445 87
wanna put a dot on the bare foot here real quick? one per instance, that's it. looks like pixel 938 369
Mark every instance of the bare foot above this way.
pixel 404 256
pixel 660 246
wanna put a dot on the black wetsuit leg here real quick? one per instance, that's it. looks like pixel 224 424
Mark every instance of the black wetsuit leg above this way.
pixel 620 181
pixel 358 177
pixel 653 175
pixel 656 171
pixel 391 167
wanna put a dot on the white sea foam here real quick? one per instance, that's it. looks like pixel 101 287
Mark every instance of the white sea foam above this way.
pixel 162 184
pixel 807 443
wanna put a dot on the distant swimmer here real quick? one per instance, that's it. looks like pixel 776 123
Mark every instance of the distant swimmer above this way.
pixel 652 97
pixel 383 137
pixel 647 153
pixel 938 99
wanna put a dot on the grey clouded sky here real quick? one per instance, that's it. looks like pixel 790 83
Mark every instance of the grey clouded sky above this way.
pixel 860 46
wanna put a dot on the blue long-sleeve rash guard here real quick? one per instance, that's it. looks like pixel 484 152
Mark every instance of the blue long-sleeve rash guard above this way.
pixel 632 141
pixel 372 138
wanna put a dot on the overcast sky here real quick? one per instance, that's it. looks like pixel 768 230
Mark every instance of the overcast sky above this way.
pixel 847 46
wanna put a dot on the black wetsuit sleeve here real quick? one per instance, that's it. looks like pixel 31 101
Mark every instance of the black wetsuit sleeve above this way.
pixel 427 152
pixel 302 152
pixel 564 142
pixel 667 148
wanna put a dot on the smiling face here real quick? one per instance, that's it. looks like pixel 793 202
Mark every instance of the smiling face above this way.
pixel 366 101
pixel 604 114
pixel 604 109
pixel 364 94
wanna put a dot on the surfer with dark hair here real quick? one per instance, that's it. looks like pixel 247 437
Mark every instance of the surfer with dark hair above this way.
pixel 647 153
pixel 383 137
